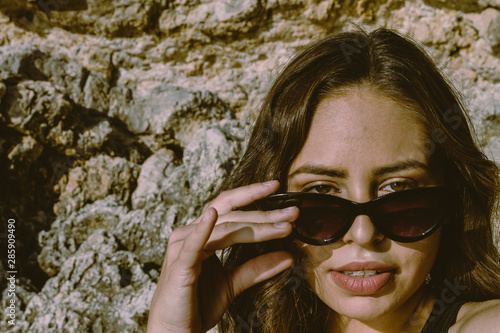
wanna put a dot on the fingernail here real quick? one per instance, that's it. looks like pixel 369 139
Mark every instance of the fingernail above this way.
pixel 281 224
pixel 206 216
pixel 269 183
pixel 288 209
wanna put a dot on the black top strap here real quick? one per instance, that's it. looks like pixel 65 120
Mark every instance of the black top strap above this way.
pixel 442 317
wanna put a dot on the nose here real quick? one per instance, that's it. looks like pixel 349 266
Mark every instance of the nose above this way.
pixel 363 232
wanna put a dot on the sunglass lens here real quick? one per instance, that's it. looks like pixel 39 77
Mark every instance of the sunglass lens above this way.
pixel 320 221
pixel 409 216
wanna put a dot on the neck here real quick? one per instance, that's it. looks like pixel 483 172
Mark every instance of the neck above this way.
pixel 409 317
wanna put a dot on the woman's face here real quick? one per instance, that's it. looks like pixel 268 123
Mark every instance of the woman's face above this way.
pixel 361 146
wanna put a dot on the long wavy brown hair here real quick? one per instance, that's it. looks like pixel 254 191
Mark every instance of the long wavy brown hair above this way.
pixel 398 68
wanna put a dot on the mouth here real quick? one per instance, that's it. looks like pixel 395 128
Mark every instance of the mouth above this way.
pixel 362 274
pixel 360 284
pixel 363 278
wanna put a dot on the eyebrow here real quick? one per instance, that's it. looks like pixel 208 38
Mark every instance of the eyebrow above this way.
pixel 342 173
pixel 403 165
pixel 319 170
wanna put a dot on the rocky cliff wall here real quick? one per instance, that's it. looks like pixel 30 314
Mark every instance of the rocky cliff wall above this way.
pixel 120 118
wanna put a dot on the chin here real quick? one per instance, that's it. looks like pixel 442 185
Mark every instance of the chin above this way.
pixel 362 308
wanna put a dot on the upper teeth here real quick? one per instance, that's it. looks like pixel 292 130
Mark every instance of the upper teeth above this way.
pixel 361 273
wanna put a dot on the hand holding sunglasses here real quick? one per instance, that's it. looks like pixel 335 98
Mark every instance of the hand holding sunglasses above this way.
pixel 405 216
pixel 193 276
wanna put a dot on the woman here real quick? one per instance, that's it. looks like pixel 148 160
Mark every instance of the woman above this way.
pixel 354 117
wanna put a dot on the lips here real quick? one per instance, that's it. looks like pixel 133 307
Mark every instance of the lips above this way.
pixel 363 278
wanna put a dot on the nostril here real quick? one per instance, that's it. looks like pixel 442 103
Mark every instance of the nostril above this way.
pixel 362 231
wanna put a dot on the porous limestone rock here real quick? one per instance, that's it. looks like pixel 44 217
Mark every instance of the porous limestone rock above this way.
pixel 59 103
pixel 25 153
pixel 85 88
pixel 67 234
pixel 97 178
pixel 166 110
pixel 207 160
pixel 35 108
pixel 8 5
pixel 213 18
pixel 490 27
pixel 464 5
pixel 116 18
pixel 153 172
pixel 100 289
pixel 145 232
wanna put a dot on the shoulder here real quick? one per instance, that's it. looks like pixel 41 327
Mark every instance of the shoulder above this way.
pixel 478 317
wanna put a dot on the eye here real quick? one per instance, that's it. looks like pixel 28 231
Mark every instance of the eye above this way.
pixel 321 189
pixel 399 186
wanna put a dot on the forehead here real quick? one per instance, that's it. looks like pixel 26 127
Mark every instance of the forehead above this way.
pixel 364 128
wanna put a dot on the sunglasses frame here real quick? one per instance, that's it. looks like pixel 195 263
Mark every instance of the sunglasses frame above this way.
pixel 288 199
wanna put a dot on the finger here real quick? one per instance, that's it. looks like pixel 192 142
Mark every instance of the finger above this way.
pixel 194 242
pixel 288 214
pixel 243 196
pixel 230 233
pixel 259 269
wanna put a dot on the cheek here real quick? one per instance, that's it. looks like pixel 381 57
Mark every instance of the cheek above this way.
pixel 414 267
pixel 421 255
pixel 314 263
pixel 415 262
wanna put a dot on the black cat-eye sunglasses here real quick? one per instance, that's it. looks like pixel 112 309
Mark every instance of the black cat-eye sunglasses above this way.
pixel 405 216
